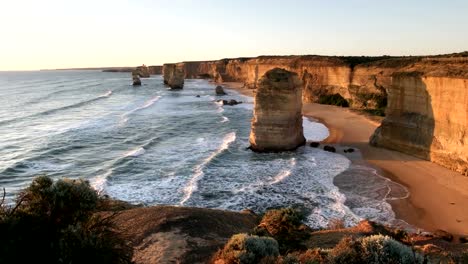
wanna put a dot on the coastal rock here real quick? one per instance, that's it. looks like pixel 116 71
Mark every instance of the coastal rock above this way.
pixel 314 144
pixel 136 78
pixel 174 75
pixel 277 120
pixel 220 90
pixel 230 102
pixel 329 149
pixel 143 71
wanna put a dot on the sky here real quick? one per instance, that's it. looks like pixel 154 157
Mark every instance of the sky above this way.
pixel 50 34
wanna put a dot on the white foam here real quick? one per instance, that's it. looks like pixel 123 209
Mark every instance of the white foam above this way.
pixel 109 93
pixel 198 171
pixel 135 153
pixel 225 119
pixel 283 174
pixel 314 131
pixel 99 182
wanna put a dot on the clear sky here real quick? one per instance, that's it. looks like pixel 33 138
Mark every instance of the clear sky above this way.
pixel 38 34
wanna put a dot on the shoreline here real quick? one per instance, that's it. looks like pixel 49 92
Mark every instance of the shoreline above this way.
pixel 437 196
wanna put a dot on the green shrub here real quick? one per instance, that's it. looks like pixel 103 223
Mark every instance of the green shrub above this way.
pixel 248 249
pixel 55 222
pixel 333 99
pixel 285 226
pixel 383 249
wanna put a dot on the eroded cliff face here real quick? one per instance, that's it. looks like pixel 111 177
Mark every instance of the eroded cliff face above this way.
pixel 427 113
pixel 425 97
pixel 363 86
pixel 277 120
pixel 173 75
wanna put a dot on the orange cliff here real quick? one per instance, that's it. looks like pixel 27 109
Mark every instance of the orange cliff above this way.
pixel 425 98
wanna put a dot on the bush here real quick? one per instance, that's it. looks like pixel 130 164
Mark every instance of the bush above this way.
pixel 56 223
pixel 373 249
pixel 333 99
pixel 348 250
pixel 383 249
pixel 285 226
pixel 246 249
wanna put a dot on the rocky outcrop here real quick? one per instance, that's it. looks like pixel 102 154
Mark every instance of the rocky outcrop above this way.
pixel 174 75
pixel 427 113
pixel 136 80
pixel 143 71
pixel 167 234
pixel 277 120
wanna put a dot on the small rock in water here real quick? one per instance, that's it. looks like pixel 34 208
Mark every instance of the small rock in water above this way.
pixel 329 149
pixel 230 102
pixel 314 144
pixel 349 150
pixel 220 90
pixel 197 95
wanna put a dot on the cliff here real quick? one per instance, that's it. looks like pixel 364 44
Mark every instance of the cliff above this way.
pixel 277 120
pixel 427 113
pixel 424 97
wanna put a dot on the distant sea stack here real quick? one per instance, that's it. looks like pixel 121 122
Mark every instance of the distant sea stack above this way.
pixel 143 71
pixel 277 121
pixel 174 75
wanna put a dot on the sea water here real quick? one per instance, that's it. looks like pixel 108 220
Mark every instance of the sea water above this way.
pixel 153 145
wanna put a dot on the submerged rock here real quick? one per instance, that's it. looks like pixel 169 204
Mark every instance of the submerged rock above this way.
pixel 220 90
pixel 329 149
pixel 230 102
pixel 277 120
pixel 314 144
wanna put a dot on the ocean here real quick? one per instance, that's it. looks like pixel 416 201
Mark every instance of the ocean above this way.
pixel 152 145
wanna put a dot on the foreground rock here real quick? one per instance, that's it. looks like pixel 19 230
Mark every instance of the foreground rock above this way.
pixel 174 75
pixel 277 121
pixel 165 234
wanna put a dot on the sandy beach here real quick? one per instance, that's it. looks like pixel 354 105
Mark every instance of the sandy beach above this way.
pixel 438 196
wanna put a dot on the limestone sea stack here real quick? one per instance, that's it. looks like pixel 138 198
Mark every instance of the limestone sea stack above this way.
pixel 277 120
pixel 136 78
pixel 174 75
pixel 143 71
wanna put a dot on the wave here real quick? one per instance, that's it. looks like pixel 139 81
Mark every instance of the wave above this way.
pixel 284 174
pixel 225 119
pixel 136 152
pixel 147 104
pixel 193 182
pixel 55 110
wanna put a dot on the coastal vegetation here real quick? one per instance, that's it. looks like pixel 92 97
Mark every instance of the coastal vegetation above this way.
pixel 66 221
pixel 56 222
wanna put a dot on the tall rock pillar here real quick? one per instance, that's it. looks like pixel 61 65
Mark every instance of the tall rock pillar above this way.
pixel 277 121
